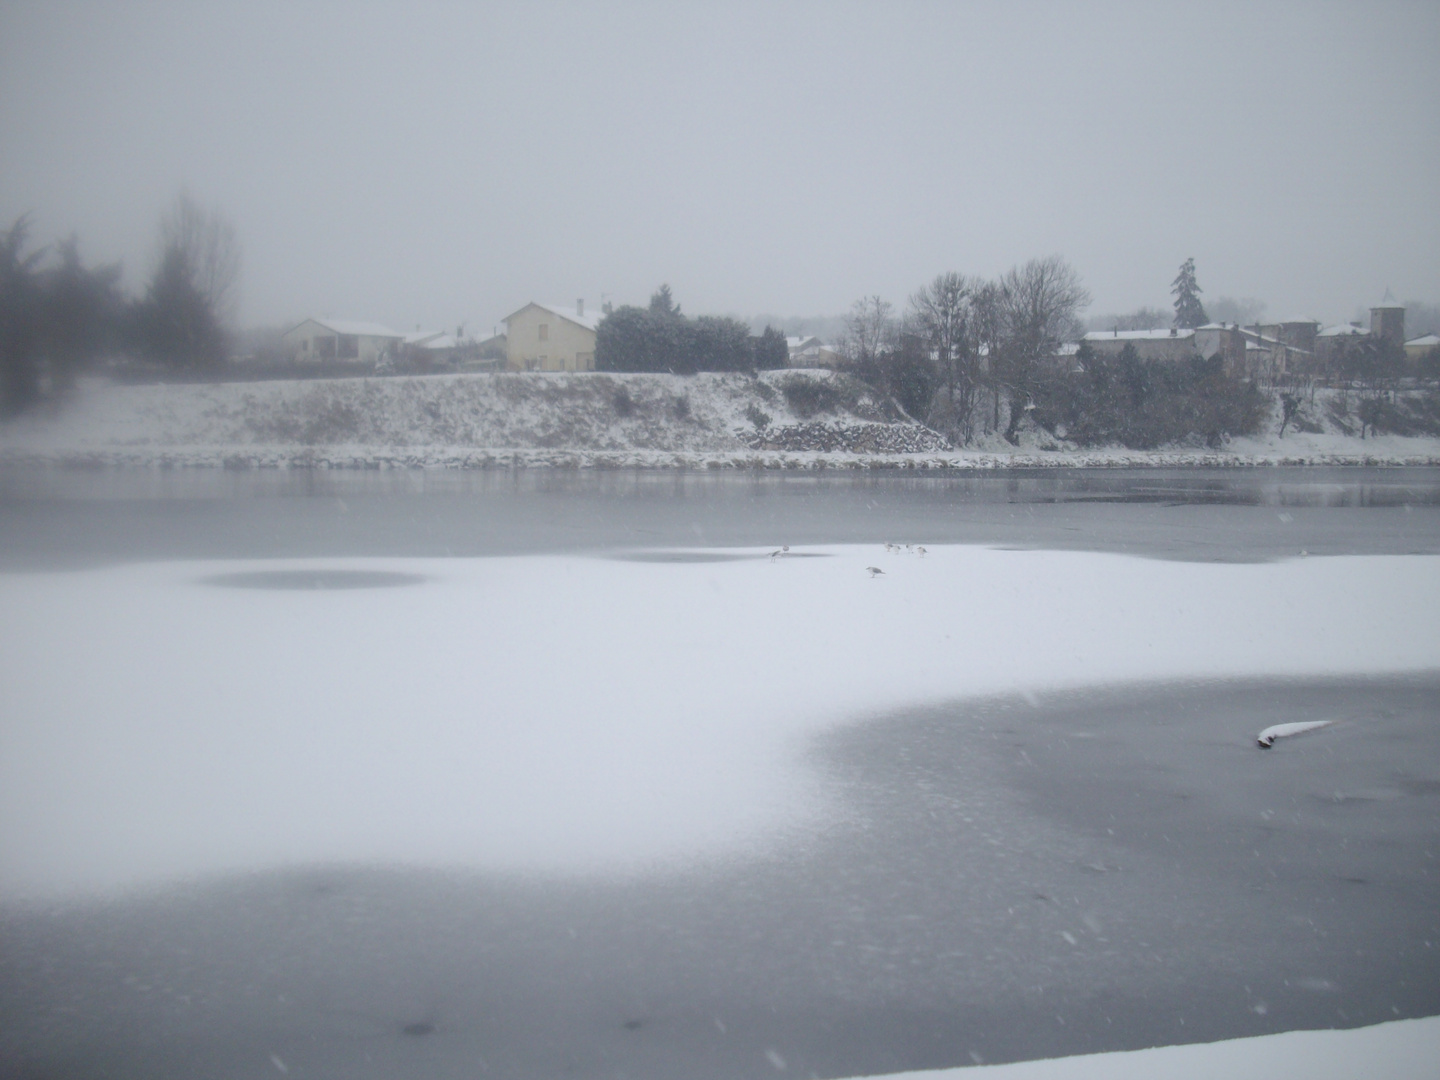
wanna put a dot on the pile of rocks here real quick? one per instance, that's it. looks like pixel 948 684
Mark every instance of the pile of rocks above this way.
pixel 854 438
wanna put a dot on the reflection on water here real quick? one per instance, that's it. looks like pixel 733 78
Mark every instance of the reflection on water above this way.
pixel 1259 486
pixel 320 580
pixel 56 517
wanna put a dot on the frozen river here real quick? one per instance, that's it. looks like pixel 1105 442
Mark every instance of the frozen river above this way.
pixel 989 806
pixel 53 517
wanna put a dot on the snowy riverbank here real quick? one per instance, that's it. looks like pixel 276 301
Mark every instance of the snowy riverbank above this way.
pixel 1400 1050
pixel 777 420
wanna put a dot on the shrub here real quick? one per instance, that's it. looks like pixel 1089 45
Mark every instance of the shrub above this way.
pixel 1144 404
pixel 808 397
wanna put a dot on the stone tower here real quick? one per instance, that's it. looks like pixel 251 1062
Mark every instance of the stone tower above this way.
pixel 1387 320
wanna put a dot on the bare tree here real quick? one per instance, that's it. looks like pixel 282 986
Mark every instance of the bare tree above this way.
pixel 987 330
pixel 1145 318
pixel 1040 304
pixel 940 314
pixel 204 241
pixel 869 331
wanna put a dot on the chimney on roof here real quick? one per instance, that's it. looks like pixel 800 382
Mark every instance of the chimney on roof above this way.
pixel 580 308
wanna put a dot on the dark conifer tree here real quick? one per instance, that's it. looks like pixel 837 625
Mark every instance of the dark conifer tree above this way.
pixel 1189 311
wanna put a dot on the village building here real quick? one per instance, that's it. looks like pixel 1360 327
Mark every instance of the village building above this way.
pixel 811 352
pixel 1387 320
pixel 1297 333
pixel 1333 342
pixel 1172 344
pixel 543 337
pixel 316 340
pixel 1419 348
pixel 1224 341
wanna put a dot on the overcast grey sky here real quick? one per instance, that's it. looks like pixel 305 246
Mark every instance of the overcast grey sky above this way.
pixel 432 163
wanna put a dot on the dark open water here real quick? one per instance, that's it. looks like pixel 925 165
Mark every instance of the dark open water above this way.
pixel 1015 879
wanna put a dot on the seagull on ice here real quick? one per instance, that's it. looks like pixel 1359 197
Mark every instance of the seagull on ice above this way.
pixel 874 571
pixel 920 551
pixel 783 549
pixel 890 548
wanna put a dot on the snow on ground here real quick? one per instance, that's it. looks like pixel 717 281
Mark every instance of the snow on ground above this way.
pixel 576 714
pixel 576 420
pixel 1400 1050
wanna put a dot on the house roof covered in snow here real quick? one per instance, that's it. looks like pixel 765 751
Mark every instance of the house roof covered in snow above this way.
pixel 590 320
pixel 351 327
pixel 1342 330
pixel 1425 340
pixel 1139 335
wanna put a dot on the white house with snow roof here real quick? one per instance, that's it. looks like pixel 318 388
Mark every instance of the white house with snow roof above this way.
pixel 548 337
pixel 340 339
pixel 1173 344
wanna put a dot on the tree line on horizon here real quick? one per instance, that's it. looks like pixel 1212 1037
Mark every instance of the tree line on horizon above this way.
pixel 966 356
pixel 970 355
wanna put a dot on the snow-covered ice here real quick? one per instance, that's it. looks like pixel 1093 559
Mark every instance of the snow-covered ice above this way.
pixel 574 713
pixel 1267 737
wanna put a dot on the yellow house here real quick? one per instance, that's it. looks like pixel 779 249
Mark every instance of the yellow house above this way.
pixel 540 337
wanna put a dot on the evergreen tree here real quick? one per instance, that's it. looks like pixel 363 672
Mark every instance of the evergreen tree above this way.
pixel 1189 311
pixel 771 350
pixel 20 322
pixel 54 320
pixel 81 315
pixel 178 327
pixel 663 304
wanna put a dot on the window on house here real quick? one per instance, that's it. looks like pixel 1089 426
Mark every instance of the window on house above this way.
pixel 544 332
pixel 349 347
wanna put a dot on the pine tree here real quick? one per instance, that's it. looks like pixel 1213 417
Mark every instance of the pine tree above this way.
pixel 662 303
pixel 1189 311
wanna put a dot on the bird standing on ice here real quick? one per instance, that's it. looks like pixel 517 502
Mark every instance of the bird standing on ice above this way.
pixel 874 571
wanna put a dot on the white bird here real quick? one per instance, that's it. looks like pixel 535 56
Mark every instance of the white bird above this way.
pixel 920 551
pixel 874 571
pixel 890 548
